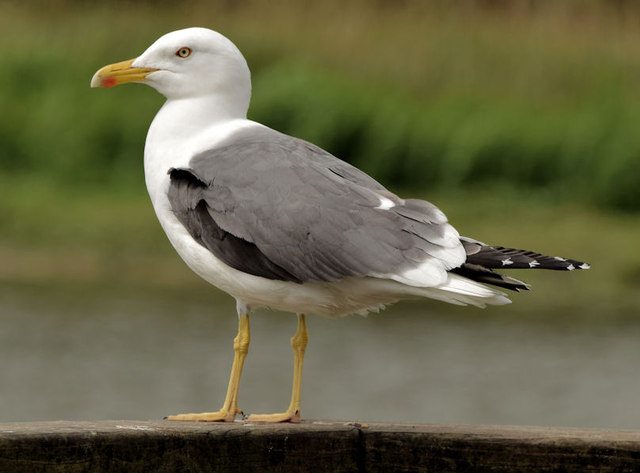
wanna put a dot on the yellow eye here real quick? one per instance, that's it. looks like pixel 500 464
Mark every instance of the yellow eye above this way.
pixel 183 52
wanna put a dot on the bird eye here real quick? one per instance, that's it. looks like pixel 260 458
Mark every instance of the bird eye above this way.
pixel 183 52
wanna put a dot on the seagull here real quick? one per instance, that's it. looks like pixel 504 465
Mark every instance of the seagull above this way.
pixel 276 221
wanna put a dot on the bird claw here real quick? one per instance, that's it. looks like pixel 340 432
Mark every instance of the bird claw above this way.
pixel 292 417
pixel 219 416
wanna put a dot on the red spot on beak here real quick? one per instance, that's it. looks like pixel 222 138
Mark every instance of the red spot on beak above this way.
pixel 109 82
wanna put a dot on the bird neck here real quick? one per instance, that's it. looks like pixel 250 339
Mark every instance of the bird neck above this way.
pixel 183 127
pixel 184 123
pixel 183 118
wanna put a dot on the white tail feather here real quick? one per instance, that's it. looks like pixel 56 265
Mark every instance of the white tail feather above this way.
pixel 460 290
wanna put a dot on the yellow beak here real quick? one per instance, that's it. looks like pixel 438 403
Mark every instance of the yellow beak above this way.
pixel 120 73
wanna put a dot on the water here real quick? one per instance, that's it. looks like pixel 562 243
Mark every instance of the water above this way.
pixel 74 356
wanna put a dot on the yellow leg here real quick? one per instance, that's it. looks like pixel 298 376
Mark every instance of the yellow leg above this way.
pixel 292 414
pixel 230 406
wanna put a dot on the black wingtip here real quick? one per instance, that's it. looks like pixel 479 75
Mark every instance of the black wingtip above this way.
pixel 565 264
pixel 489 276
pixel 500 257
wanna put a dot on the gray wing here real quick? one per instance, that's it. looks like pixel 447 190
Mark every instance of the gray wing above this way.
pixel 281 208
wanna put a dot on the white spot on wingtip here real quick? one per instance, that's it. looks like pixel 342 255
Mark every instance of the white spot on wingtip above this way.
pixel 585 266
pixel 385 204
pixel 506 262
pixel 571 267
pixel 534 263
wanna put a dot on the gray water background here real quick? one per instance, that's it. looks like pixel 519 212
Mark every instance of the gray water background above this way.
pixel 67 353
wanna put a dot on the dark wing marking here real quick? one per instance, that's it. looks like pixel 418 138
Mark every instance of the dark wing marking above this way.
pixel 186 196
pixel 482 259
pixel 511 258
pixel 489 276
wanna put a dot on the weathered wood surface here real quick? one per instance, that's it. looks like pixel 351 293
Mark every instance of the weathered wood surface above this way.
pixel 313 446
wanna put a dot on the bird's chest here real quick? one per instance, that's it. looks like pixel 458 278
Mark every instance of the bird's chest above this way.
pixel 158 162
pixel 197 257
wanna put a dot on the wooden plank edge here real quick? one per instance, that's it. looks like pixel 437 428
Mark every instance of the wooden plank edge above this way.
pixel 335 446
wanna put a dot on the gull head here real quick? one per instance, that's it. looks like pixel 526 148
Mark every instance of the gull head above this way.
pixel 188 63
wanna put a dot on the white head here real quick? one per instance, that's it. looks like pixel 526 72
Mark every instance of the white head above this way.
pixel 189 63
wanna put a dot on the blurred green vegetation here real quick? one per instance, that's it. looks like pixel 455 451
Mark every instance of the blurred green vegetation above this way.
pixel 481 106
pixel 421 95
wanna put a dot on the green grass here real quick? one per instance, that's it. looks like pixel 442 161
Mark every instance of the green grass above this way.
pixel 422 95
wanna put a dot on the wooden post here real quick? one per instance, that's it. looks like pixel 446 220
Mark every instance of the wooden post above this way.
pixel 312 446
